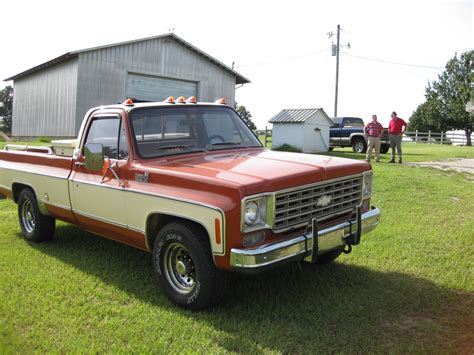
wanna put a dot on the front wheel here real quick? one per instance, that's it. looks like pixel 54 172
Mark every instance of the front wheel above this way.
pixel 184 267
pixel 359 145
pixel 35 227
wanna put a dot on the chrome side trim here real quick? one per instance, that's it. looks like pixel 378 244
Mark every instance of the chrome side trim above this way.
pixel 137 230
pixel 55 204
pixel 34 173
pixel 100 219
pixel 6 187
pixel 328 239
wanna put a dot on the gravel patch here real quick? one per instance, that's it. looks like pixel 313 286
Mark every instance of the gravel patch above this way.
pixel 457 164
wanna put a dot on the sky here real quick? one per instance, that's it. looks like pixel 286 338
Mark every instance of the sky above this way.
pixel 281 46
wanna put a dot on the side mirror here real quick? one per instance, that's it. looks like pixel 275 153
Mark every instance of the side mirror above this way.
pixel 94 156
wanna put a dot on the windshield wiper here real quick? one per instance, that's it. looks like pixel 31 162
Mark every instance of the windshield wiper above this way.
pixel 177 146
pixel 226 143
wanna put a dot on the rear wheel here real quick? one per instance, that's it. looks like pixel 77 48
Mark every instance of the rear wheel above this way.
pixel 359 145
pixel 384 148
pixel 184 267
pixel 35 227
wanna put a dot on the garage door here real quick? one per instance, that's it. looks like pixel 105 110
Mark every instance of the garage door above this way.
pixel 153 88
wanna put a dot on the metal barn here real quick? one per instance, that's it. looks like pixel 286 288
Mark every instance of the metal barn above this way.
pixel 52 98
pixel 307 129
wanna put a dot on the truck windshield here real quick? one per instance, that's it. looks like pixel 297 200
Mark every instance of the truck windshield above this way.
pixel 162 131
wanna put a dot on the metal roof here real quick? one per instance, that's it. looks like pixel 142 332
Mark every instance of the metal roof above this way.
pixel 240 79
pixel 296 115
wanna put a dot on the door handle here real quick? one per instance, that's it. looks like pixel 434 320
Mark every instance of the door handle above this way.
pixel 78 164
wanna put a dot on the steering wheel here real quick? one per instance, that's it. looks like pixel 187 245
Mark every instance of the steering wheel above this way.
pixel 216 136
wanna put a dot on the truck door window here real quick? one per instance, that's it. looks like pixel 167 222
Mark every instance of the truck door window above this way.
pixel 106 132
pixel 353 122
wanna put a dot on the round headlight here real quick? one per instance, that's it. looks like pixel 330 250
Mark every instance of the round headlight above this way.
pixel 251 213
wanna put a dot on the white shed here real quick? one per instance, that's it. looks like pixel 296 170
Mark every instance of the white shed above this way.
pixel 307 129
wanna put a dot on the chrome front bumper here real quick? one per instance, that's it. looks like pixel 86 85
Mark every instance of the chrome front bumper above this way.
pixel 301 247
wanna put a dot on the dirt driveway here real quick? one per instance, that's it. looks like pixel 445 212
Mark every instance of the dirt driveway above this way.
pixel 457 164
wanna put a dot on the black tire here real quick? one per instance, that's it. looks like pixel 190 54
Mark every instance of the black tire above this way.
pixel 359 145
pixel 35 227
pixel 328 257
pixel 384 148
pixel 184 267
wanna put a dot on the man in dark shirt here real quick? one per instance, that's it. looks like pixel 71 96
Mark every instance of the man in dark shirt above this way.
pixel 396 127
pixel 374 131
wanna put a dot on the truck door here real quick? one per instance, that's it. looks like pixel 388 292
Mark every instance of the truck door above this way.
pixel 98 201
pixel 335 132
pixel 352 125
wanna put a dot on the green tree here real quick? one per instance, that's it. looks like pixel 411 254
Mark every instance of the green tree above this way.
pixel 246 116
pixel 446 99
pixel 426 117
pixel 6 107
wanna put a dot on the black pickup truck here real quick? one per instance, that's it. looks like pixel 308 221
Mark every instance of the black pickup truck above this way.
pixel 349 132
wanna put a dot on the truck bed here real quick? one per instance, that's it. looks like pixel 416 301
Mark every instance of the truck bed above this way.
pixel 37 167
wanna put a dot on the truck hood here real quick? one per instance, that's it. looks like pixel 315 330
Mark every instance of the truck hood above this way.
pixel 262 170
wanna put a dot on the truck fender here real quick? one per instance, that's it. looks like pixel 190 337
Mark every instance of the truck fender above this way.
pixel 157 220
pixel 16 189
pixel 354 135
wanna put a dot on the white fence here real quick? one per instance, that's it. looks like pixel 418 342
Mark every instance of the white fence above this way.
pixel 450 137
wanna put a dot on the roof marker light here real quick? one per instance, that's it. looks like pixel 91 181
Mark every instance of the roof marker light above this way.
pixel 181 100
pixel 128 102
pixel 191 100
pixel 221 101
pixel 169 100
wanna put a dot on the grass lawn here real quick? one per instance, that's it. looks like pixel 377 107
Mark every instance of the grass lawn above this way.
pixel 408 287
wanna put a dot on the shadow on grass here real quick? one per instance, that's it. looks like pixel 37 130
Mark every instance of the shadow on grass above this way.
pixel 336 308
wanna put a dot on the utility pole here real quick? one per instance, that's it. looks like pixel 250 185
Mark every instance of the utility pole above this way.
pixel 336 48
pixel 337 68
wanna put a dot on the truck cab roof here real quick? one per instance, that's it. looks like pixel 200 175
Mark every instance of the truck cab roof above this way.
pixel 129 104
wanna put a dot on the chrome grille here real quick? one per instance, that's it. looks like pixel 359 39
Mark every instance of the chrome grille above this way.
pixel 299 206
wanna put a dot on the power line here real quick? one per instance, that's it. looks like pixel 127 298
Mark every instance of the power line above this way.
pixel 391 62
pixel 281 60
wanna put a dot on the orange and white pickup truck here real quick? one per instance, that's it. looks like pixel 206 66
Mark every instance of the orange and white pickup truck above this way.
pixel 190 183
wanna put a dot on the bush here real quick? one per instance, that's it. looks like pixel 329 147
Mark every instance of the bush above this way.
pixel 45 140
pixel 288 148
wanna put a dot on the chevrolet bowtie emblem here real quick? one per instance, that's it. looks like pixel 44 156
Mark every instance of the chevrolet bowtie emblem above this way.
pixel 323 201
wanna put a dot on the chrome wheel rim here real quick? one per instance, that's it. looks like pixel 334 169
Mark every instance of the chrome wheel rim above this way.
pixel 179 268
pixel 27 217
pixel 359 146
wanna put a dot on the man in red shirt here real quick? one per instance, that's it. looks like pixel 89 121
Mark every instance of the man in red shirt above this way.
pixel 374 131
pixel 396 127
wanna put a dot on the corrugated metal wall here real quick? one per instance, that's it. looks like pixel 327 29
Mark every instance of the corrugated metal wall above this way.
pixel 102 73
pixel 44 103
